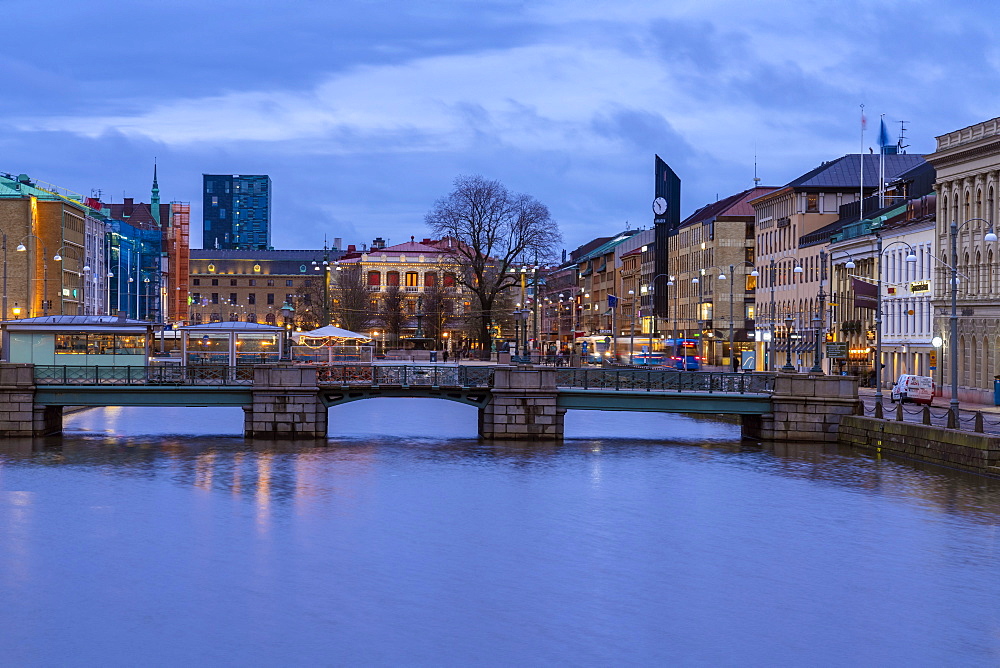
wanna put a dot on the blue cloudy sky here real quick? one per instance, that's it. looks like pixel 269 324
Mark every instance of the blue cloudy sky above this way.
pixel 363 112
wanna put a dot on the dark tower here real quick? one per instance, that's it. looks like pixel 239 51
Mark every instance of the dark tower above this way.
pixel 667 186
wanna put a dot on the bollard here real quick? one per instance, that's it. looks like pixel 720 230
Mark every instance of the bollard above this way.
pixel 978 428
pixel 878 411
pixel 952 419
pixel 927 415
pixel 899 412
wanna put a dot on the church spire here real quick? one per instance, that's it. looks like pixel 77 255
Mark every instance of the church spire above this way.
pixel 154 198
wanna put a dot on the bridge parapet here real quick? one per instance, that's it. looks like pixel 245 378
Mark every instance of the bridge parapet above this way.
pixel 286 404
pixel 524 405
pixel 805 407
pixel 19 416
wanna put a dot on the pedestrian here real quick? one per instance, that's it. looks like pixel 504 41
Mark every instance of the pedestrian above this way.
pixel 444 356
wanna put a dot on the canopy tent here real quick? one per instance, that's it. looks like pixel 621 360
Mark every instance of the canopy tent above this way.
pixel 332 334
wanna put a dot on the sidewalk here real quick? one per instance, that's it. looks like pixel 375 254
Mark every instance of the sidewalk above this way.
pixel 939 402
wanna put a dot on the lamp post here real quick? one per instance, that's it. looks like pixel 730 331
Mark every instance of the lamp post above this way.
pixel 732 336
pixel 4 234
pixel 789 321
pixel 773 320
pixel 702 321
pixel 989 237
pixel 58 258
pixel 145 294
pixel 631 331
pixel 818 319
pixel 911 257
pixel 21 248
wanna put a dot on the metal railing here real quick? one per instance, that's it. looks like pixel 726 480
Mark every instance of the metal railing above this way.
pixel 642 380
pixel 200 375
pixel 405 375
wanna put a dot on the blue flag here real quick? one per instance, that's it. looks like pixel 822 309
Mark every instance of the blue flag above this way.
pixel 612 301
pixel 885 143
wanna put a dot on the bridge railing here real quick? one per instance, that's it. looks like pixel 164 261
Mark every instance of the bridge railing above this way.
pixel 651 380
pixel 405 375
pixel 202 375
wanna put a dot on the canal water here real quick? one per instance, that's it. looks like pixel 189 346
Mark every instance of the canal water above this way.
pixel 158 537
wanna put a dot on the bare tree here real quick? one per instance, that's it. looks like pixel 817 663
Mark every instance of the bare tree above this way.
pixel 391 312
pixel 351 300
pixel 492 230
pixel 438 308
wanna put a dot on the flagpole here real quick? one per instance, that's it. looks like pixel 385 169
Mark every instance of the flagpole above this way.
pixel 881 161
pixel 861 169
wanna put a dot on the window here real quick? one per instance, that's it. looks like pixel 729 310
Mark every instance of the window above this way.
pixel 374 278
pixel 430 279
pixel 209 186
pixel 270 299
pixel 232 297
pixel 234 317
pixel 215 297
pixel 197 318
pixel 411 279
pixel 392 278
pixel 270 282
pixel 251 317
pixel 196 281
pixel 252 282
pixel 215 201
pixel 288 299
pixel 215 317
pixel 252 298
pixel 195 297
pixel 215 281
pixel 222 213
pixel 269 318
pixel 289 283
pixel 812 202
pixel 449 280
pixel 232 282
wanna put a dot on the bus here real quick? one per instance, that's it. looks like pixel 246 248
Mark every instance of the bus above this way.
pixel 682 354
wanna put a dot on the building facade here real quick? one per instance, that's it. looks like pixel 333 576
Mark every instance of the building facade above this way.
pixel 236 211
pixel 967 186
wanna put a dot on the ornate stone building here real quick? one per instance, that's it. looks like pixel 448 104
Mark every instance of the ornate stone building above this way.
pixel 968 183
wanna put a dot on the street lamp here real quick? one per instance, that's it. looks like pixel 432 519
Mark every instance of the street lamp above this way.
pixel 789 321
pixel 772 319
pixel 989 237
pixel 818 318
pixel 910 258
pixel 631 331
pixel 732 339
pixel 21 248
pixel 59 258
pixel 145 292
pixel 702 321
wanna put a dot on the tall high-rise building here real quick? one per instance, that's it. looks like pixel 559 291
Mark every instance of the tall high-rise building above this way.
pixel 236 211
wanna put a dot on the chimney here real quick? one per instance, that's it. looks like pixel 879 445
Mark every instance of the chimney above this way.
pixel 426 242
pixel 351 248
pixel 129 204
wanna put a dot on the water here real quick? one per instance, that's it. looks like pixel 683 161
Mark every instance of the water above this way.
pixel 642 540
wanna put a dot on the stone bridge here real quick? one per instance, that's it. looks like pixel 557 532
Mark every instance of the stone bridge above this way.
pixel 291 401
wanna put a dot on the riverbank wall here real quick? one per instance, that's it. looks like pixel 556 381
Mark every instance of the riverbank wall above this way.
pixel 969 451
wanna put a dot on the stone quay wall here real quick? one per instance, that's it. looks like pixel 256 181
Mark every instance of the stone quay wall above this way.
pixel 19 416
pixel 965 450
pixel 286 404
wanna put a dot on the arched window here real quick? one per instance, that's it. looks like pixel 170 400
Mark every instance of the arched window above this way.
pixel 979 203
pixel 392 278
pixel 269 318
pixel 449 280
pixel 374 278
pixel 430 279
pixel 989 206
pixel 412 279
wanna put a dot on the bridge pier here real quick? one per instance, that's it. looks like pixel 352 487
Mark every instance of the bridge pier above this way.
pixel 805 407
pixel 524 406
pixel 286 404
pixel 19 416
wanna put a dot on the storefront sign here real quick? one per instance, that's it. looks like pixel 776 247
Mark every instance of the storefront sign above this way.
pixel 920 286
pixel 835 349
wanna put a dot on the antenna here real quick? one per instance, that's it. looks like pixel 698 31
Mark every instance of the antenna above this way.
pixel 756 179
pixel 900 146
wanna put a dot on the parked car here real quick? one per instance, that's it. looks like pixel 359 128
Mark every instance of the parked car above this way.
pixel 918 389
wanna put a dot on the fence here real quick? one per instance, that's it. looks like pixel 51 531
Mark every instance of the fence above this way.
pixel 965 420
pixel 203 374
pixel 659 380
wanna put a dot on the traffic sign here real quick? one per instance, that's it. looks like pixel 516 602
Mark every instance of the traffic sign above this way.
pixel 836 349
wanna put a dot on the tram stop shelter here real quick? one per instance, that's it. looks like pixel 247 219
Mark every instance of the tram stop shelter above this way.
pixel 231 343
pixel 78 340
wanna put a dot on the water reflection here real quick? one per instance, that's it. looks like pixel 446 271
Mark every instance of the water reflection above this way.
pixel 647 540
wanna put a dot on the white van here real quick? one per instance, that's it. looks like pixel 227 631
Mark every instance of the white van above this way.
pixel 918 389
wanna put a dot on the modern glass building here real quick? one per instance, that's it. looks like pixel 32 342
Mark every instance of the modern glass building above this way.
pixel 134 281
pixel 236 211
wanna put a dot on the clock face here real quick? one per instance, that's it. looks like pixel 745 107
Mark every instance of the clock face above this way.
pixel 659 206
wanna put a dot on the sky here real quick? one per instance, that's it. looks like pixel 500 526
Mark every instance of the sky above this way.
pixel 363 112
